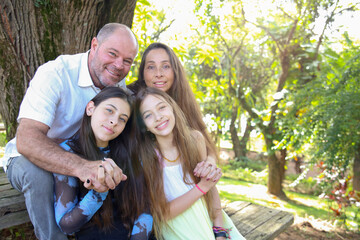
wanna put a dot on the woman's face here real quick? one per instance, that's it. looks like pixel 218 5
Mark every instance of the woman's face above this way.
pixel 158 71
pixel 158 115
pixel 108 119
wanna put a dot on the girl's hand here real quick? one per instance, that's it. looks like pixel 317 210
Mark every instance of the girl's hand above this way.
pixel 205 184
pixel 208 170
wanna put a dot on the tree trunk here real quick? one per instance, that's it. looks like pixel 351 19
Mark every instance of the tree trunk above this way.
pixel 239 152
pixel 356 170
pixel 34 32
pixel 276 172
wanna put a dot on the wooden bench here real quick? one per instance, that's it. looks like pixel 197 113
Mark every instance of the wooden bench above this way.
pixel 253 221
pixel 12 204
pixel 257 222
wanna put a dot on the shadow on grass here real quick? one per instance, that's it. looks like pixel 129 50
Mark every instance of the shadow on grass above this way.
pixel 301 209
pixel 302 204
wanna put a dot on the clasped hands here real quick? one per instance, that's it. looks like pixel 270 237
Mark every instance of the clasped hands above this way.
pixel 105 175
pixel 208 173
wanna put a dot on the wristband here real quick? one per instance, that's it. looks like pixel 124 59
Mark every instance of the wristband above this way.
pixel 221 232
pixel 200 189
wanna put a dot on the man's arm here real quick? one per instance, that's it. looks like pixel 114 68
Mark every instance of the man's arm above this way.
pixel 33 143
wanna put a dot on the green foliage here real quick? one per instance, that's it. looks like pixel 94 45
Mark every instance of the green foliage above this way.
pixel 40 3
pixel 3 140
pixel 330 109
pixel 149 24
pixel 249 170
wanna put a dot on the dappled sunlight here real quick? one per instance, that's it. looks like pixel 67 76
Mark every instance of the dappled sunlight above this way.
pixel 254 191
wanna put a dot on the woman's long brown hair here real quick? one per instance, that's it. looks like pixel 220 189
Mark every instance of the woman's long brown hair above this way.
pixel 180 91
pixel 186 143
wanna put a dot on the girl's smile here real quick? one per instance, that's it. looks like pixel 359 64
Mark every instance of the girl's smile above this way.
pixel 158 115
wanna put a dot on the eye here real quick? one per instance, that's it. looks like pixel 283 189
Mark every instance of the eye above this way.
pixel 166 66
pixel 150 67
pixel 112 54
pixel 124 120
pixel 161 107
pixel 146 116
pixel 127 63
pixel 109 110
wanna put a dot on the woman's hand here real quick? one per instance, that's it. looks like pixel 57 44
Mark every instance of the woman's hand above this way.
pixel 208 170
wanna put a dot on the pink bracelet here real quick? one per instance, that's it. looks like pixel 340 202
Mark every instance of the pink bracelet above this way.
pixel 200 189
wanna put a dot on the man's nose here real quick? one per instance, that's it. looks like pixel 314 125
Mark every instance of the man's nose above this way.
pixel 119 63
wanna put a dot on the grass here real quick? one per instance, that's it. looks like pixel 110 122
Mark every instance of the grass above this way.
pixel 301 205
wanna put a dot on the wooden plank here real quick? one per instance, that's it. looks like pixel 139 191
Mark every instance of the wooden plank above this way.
pixel 250 217
pixel 271 229
pixel 10 193
pixel 3 179
pixel 233 207
pixel 258 222
pixel 14 219
pixel 13 204
pixel 5 187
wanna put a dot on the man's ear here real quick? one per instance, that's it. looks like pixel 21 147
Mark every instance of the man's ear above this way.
pixel 90 107
pixel 94 44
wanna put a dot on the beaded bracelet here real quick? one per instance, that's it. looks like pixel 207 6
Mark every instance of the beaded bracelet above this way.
pixel 221 232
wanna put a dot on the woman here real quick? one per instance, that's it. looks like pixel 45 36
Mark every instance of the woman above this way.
pixel 161 68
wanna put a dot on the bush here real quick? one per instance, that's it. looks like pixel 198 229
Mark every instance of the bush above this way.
pixel 243 171
pixel 2 139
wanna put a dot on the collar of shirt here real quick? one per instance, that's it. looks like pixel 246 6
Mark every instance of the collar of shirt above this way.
pixel 84 75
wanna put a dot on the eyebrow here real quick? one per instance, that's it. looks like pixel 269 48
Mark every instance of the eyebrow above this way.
pixel 122 114
pixel 127 58
pixel 152 61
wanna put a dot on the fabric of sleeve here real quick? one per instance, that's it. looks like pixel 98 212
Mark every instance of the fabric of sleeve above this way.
pixel 70 213
pixel 142 227
pixel 42 96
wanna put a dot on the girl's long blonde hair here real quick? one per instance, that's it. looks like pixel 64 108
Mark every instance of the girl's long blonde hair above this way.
pixel 147 146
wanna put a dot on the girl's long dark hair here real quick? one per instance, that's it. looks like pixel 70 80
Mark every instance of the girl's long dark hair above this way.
pixel 127 193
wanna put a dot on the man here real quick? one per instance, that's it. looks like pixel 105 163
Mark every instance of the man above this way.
pixel 51 111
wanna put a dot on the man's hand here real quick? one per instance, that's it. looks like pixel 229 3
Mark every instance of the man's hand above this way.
pixel 104 175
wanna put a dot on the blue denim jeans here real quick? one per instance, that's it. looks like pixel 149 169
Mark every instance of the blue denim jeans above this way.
pixel 37 185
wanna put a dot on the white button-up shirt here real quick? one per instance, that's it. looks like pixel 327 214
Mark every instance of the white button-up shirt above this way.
pixel 57 96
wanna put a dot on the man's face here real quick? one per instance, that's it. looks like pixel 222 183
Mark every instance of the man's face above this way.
pixel 111 60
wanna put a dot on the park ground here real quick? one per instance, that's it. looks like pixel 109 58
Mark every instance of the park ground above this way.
pixel 307 228
pixel 302 229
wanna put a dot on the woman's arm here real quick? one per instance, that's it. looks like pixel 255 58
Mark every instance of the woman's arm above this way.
pixel 70 213
pixel 209 167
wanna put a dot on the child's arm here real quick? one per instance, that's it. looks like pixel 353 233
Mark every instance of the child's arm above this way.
pixel 142 227
pixel 70 214
pixel 217 211
pixel 182 203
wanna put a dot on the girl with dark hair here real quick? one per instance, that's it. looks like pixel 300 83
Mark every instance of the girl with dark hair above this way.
pixel 111 214
pixel 183 206
pixel 161 68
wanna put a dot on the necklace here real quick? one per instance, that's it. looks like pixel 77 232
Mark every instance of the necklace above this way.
pixel 171 160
